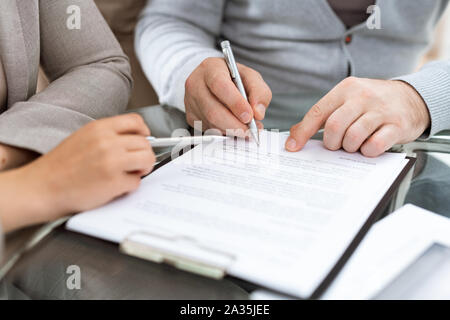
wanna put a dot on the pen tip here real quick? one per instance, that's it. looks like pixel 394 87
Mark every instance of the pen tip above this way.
pixel 256 138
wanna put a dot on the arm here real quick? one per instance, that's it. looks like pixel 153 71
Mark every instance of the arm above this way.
pixel 89 74
pixel 172 38
pixel 175 41
pixel 101 161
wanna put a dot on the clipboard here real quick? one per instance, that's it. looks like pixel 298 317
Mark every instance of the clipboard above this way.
pixel 200 259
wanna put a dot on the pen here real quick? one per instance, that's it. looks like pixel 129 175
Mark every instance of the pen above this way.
pixel 168 142
pixel 234 72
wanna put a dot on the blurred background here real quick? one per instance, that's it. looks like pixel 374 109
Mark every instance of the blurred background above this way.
pixel 122 17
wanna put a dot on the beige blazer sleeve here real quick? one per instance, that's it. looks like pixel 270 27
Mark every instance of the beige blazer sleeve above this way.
pixel 89 74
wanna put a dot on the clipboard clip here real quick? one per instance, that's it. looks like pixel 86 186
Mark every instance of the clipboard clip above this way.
pixel 182 252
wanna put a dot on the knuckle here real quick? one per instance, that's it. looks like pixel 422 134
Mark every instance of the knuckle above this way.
pixel 203 65
pixel 102 145
pixel 365 125
pixel 189 84
pixel 351 141
pixel 367 93
pixel 378 144
pixel 253 72
pixel 353 108
pixel 380 111
pixel 261 93
pixel 140 123
pixel 350 81
pixel 240 106
pixel 134 120
pixel 333 126
pixel 243 69
pixel 207 62
pixel 352 135
pixel 135 117
pixel 217 83
pixel 316 111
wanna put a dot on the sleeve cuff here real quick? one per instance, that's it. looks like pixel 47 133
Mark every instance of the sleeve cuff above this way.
pixel 433 84
pixel 38 127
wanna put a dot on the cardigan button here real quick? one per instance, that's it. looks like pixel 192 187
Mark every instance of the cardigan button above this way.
pixel 348 39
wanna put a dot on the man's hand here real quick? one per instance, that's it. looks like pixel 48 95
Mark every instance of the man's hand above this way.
pixel 212 97
pixel 366 115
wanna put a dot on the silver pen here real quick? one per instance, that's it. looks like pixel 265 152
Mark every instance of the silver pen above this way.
pixel 234 72
pixel 193 140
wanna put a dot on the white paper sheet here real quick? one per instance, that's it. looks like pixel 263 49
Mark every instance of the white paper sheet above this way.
pixel 285 218
pixel 391 245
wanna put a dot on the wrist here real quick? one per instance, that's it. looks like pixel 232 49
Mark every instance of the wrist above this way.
pixel 24 200
pixel 44 191
pixel 422 119
pixel 13 157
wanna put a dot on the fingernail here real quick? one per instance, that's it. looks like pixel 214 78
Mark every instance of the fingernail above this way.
pixel 261 109
pixel 245 117
pixel 291 144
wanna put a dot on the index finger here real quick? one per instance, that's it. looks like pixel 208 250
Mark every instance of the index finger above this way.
pixel 131 123
pixel 222 86
pixel 314 119
pixel 259 93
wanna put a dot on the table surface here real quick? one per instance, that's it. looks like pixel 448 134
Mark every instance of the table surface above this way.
pixel 110 274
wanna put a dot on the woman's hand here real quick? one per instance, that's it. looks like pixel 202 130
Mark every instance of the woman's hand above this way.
pixel 101 161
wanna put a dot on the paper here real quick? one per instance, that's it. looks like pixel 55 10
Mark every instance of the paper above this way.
pixel 391 245
pixel 427 277
pixel 284 218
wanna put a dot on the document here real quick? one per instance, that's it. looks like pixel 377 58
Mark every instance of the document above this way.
pixel 428 277
pixel 278 219
pixel 393 246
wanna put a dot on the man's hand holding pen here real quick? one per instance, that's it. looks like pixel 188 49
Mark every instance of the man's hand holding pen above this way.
pixel 212 97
